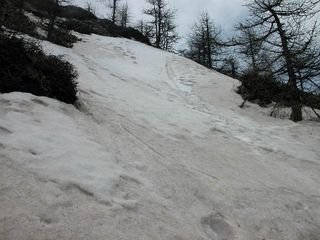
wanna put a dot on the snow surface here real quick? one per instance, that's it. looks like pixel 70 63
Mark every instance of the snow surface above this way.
pixel 157 149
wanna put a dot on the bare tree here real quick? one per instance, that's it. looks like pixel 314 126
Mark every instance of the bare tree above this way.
pixel 90 8
pixel 156 12
pixel 285 28
pixel 53 9
pixel 145 28
pixel 230 66
pixel 124 15
pixel 169 35
pixel 164 28
pixel 140 26
pixel 250 46
pixel 204 43
pixel 113 5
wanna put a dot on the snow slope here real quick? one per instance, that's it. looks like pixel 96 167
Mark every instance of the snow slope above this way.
pixel 157 149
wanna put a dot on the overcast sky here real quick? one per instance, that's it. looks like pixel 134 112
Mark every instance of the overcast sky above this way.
pixel 226 13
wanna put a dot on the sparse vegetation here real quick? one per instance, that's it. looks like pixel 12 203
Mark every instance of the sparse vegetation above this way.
pixel 25 68
pixel 264 88
pixel 261 88
pixel 63 38
pixel 13 18
pixel 103 27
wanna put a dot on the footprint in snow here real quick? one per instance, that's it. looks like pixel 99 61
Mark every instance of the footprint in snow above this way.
pixel 4 131
pixel 216 227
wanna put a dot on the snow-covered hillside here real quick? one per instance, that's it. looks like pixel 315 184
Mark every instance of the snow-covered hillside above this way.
pixel 157 149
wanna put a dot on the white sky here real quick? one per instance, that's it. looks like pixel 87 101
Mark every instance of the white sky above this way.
pixel 226 13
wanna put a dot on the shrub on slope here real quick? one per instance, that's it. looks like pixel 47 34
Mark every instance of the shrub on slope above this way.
pixel 13 18
pixel 261 88
pixel 103 27
pixel 67 18
pixel 63 38
pixel 264 89
pixel 25 68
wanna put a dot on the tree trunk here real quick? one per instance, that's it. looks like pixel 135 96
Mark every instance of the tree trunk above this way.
pixel 114 9
pixel 209 43
pixel 52 19
pixel 296 114
pixel 253 59
pixel 233 69
pixel 296 108
pixel 159 32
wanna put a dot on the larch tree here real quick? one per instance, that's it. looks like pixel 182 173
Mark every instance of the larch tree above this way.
pixel 230 66
pixel 90 8
pixel 124 15
pixel 53 8
pixel 162 19
pixel 204 42
pixel 289 33
pixel 250 46
pixel 145 28
pixel 140 25
pixel 113 5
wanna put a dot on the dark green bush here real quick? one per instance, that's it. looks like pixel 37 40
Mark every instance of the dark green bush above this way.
pixel 42 7
pixel 14 19
pixel 38 5
pixel 103 27
pixel 261 88
pixel 63 38
pixel 75 12
pixel 84 27
pixel 25 68
pixel 311 99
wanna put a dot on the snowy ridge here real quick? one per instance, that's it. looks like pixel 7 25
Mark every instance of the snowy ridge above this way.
pixel 157 149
